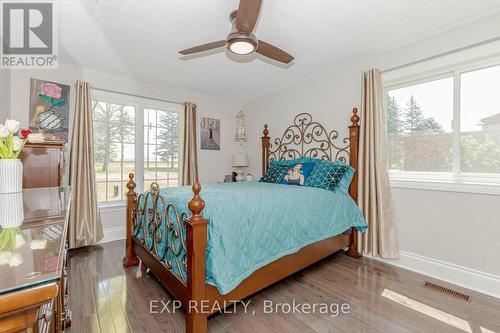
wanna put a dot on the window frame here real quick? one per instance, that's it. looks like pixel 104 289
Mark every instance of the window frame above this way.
pixel 140 104
pixel 454 181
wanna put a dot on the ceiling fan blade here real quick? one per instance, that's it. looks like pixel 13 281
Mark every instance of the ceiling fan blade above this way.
pixel 273 52
pixel 204 47
pixel 248 12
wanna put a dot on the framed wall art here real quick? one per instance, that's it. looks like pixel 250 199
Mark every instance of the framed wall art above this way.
pixel 49 109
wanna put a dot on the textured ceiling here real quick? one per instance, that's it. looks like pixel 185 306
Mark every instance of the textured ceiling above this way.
pixel 140 39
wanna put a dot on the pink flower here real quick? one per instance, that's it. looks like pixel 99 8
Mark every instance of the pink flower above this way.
pixel 51 90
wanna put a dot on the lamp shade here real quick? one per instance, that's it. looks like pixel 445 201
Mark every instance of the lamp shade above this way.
pixel 240 160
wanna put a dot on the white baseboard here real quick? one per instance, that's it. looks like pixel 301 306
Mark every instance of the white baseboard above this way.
pixel 113 234
pixel 482 282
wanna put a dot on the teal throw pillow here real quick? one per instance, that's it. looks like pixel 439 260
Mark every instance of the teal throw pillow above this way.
pixel 274 174
pixel 330 175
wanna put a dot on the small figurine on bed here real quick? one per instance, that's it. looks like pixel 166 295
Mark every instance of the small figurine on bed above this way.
pixel 295 175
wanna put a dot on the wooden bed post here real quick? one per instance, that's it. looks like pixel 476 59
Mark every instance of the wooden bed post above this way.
pixel 196 247
pixel 353 189
pixel 265 150
pixel 130 258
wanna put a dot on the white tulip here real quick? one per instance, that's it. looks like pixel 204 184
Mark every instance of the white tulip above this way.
pixel 12 125
pixel 4 132
pixel 18 142
pixel 16 260
pixel 5 257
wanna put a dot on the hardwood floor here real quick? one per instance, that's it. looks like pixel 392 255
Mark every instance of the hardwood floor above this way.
pixel 105 297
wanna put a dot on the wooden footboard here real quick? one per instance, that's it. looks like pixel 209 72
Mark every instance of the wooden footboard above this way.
pixel 191 289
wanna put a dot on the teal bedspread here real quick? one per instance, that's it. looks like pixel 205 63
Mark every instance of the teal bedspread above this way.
pixel 252 224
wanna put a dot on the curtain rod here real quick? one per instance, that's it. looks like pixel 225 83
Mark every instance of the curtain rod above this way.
pixel 463 48
pixel 138 96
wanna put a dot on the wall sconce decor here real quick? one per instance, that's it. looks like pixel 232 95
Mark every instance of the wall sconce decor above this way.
pixel 240 127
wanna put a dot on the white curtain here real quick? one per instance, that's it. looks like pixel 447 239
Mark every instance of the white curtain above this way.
pixel 85 226
pixel 374 189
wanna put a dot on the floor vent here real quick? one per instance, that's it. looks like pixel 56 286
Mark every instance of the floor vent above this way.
pixel 447 291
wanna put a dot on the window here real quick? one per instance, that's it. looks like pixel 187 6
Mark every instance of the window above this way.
pixel 114 148
pixel 480 121
pixel 161 144
pixel 134 135
pixel 446 127
pixel 419 120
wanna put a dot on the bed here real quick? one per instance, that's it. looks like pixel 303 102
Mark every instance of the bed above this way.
pixel 243 237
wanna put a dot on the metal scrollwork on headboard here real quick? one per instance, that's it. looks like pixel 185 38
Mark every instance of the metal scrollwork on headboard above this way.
pixel 309 138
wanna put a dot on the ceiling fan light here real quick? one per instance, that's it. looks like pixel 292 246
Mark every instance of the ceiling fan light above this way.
pixel 241 47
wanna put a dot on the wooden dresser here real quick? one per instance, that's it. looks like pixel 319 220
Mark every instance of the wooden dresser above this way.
pixel 33 294
pixel 42 164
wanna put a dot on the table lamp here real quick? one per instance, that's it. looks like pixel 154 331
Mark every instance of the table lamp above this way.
pixel 240 161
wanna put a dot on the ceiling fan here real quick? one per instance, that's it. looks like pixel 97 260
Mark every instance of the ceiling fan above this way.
pixel 241 40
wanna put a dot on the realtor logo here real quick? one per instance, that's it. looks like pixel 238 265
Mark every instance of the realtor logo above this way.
pixel 28 33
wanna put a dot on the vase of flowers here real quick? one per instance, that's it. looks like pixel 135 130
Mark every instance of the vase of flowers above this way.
pixel 12 142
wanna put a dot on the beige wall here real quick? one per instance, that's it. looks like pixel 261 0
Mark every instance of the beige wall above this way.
pixel 4 94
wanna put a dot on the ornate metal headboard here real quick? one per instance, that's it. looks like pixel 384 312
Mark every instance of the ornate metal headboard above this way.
pixel 309 138
pixel 306 137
